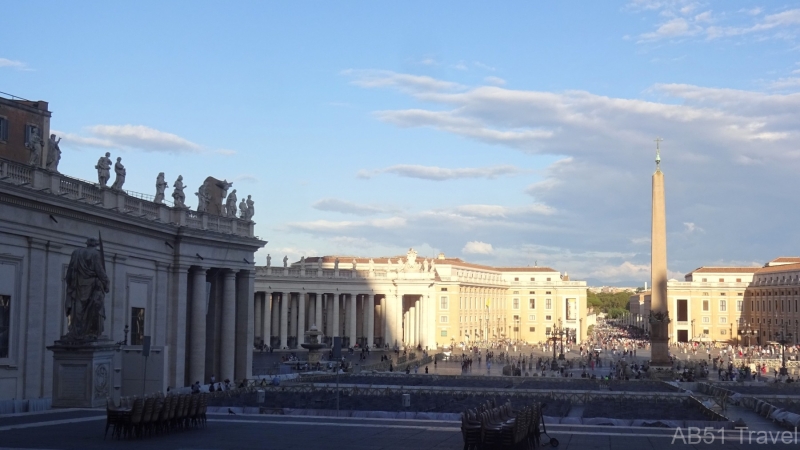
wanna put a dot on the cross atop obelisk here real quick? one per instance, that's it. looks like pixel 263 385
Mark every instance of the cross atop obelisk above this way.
pixel 658 154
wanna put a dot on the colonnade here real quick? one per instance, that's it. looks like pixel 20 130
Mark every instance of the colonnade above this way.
pixel 283 317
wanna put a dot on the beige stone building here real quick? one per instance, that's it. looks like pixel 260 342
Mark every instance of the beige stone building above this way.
pixel 407 300
pixel 730 304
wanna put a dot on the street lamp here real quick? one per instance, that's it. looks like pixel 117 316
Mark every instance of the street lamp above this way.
pixel 783 338
pixel 692 329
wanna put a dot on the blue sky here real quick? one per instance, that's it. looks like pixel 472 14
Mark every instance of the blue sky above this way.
pixel 501 134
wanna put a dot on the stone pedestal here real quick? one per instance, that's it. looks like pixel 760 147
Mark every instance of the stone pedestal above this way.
pixel 659 343
pixel 82 373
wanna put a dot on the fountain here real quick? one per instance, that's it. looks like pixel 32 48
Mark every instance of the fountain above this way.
pixel 313 345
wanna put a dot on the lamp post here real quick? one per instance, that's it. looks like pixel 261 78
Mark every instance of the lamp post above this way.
pixel 692 329
pixel 783 338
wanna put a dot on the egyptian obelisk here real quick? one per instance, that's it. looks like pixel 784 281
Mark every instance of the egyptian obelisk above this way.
pixel 659 312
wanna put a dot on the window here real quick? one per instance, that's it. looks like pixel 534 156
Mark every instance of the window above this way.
pixel 705 305
pixel 443 333
pixel 5 325
pixel 739 294
pixel 723 332
pixel 533 279
pixel 516 328
pixel 722 293
pixel 706 319
pixel 137 326
pixel 705 331
pixel 739 305
pixel 705 294
pixel 443 319
pixel 444 289
pixel 722 280
pixel 3 129
pixel 547 331
pixel 723 319
pixel 532 317
pixel 548 318
pixel 532 303
pixel 532 292
pixel 548 303
pixel 548 292
pixel 705 280
pixel 516 278
pixel 532 329
pixel 515 303
pixel 444 303
pixel 738 280
pixel 723 305
pixel 548 278
pixel 516 292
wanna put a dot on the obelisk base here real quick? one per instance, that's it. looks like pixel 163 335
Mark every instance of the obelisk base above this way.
pixel 660 363
pixel 82 373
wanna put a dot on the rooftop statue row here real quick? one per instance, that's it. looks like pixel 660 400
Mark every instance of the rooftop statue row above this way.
pixel 36 146
pixel 210 194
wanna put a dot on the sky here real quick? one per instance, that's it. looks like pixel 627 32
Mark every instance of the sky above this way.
pixel 507 134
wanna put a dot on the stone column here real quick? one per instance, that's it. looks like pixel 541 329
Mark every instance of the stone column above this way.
pixel 421 322
pixel 336 320
pixel 197 330
pixel 318 310
pixel 266 317
pixel 275 315
pixel 384 322
pixel 227 351
pixel 284 296
pixel 352 319
pixel 301 317
pixel 177 319
pixel 397 316
pixel 370 320
pixel 258 325
pixel 405 328
pixel 32 351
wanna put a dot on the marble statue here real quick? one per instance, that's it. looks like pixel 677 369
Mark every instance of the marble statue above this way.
pixel 53 154
pixel 371 265
pixel 87 285
pixel 269 260
pixel 178 197
pixel 202 198
pixel 161 186
pixel 319 263
pixel 243 209
pixel 35 146
pixel 103 166
pixel 251 210
pixel 302 262
pixel 230 205
pixel 433 266
pixel 425 265
pixel 119 170
pixel 355 264
pixel 285 261
pixel 336 264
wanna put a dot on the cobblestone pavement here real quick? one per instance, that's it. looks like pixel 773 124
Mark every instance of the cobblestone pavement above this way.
pixel 83 429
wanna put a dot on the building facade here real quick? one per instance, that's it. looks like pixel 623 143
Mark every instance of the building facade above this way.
pixel 406 301
pixel 730 304
pixel 181 277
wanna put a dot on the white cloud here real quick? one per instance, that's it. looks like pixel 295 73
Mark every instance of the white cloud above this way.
pixel 460 66
pixel 477 247
pixel 727 153
pixel 225 152
pixel 346 207
pixel 785 83
pixel 483 66
pixel 245 178
pixel 13 64
pixel 403 82
pixel 676 27
pixel 497 81
pixel 441 174
pixel 131 136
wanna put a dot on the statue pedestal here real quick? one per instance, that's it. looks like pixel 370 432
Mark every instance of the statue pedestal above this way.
pixel 82 373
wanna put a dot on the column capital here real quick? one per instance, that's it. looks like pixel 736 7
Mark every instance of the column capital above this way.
pixel 228 273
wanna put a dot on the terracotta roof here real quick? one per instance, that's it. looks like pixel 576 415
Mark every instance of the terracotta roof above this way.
pixel 778 269
pixel 705 269
pixel 526 269
pixel 786 259
pixel 451 261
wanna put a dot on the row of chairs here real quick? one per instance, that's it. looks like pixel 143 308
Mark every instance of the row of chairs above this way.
pixel 491 427
pixel 157 414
